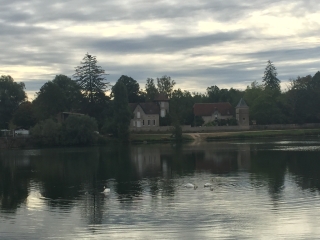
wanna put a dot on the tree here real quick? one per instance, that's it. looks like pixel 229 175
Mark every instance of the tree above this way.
pixel 90 77
pixel 122 114
pixel 24 116
pixel 133 88
pixel 270 77
pixel 151 90
pixel 165 85
pixel 79 130
pixel 60 94
pixel 11 95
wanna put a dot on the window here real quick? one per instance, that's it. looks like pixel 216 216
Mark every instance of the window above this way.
pixel 143 122
pixel 148 122
pixel 154 122
pixel 138 114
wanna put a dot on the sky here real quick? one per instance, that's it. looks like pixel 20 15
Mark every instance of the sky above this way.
pixel 198 43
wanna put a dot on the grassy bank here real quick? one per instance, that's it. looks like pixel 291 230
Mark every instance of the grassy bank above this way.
pixel 264 134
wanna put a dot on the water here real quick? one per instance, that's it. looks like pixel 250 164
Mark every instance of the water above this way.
pixel 260 190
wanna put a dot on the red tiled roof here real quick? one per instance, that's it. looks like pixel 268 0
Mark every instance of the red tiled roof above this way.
pixel 207 109
pixel 147 107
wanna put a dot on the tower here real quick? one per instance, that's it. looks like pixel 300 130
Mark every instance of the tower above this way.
pixel 242 113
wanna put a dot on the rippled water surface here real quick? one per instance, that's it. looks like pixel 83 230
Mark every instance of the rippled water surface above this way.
pixel 260 190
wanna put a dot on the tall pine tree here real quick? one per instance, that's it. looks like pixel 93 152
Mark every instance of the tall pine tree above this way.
pixel 270 79
pixel 91 77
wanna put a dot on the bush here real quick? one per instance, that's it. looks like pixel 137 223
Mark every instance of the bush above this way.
pixel 79 130
pixel 46 132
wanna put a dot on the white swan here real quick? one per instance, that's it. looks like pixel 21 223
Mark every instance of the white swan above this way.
pixel 190 185
pixel 106 190
pixel 207 185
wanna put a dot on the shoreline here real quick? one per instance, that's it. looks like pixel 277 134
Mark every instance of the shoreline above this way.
pixel 149 138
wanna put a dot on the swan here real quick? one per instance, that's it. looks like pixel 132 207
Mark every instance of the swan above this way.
pixel 207 185
pixel 106 190
pixel 190 185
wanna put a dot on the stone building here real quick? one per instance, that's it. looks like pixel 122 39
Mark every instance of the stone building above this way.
pixel 242 113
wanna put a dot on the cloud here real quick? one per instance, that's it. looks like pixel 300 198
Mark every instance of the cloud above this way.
pixel 198 43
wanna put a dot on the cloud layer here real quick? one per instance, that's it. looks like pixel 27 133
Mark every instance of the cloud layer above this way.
pixel 197 43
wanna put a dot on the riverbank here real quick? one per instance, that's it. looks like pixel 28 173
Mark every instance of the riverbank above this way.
pixel 215 136
pixel 139 138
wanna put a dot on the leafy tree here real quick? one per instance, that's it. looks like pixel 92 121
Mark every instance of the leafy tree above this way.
pixel 151 90
pixel 122 114
pixel 60 94
pixel 252 92
pixel 181 107
pixel 79 130
pixel 90 77
pixel 270 79
pixel 47 132
pixel 24 116
pixel 265 110
pixel 213 94
pixel 11 95
pixel 133 89
pixel 165 85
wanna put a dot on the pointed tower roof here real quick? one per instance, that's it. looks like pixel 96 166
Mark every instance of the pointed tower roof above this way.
pixel 242 104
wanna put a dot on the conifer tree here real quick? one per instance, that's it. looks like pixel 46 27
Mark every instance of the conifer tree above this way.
pixel 270 79
pixel 90 77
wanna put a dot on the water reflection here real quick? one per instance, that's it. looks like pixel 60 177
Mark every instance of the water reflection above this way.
pixel 144 178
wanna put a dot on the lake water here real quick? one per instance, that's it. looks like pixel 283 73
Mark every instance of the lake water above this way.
pixel 260 190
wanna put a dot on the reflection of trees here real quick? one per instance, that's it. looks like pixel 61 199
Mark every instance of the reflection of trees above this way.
pixel 14 180
pixel 116 163
pixel 305 167
pixel 65 173
pixel 269 167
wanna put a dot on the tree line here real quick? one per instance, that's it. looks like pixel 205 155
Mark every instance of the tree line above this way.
pixel 86 94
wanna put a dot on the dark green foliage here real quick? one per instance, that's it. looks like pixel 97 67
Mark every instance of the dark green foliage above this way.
pixel 270 79
pixel 75 130
pixel 11 95
pixel 79 130
pixel 133 89
pixel 214 95
pixel 122 114
pixel 198 121
pixel 24 116
pixel 165 85
pixel 151 90
pixel 90 77
pixel 59 95
pixel 181 106
pixel 222 122
pixel 47 133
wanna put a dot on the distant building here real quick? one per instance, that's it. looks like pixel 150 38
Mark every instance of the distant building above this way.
pixel 213 111
pixel 242 113
pixel 148 114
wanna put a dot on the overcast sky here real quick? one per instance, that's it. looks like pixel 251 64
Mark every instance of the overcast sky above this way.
pixel 198 43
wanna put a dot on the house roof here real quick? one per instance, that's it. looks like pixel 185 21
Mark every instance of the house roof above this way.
pixel 242 104
pixel 207 109
pixel 148 107
pixel 161 97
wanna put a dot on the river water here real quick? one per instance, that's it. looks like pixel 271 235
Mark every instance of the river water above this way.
pixel 260 190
